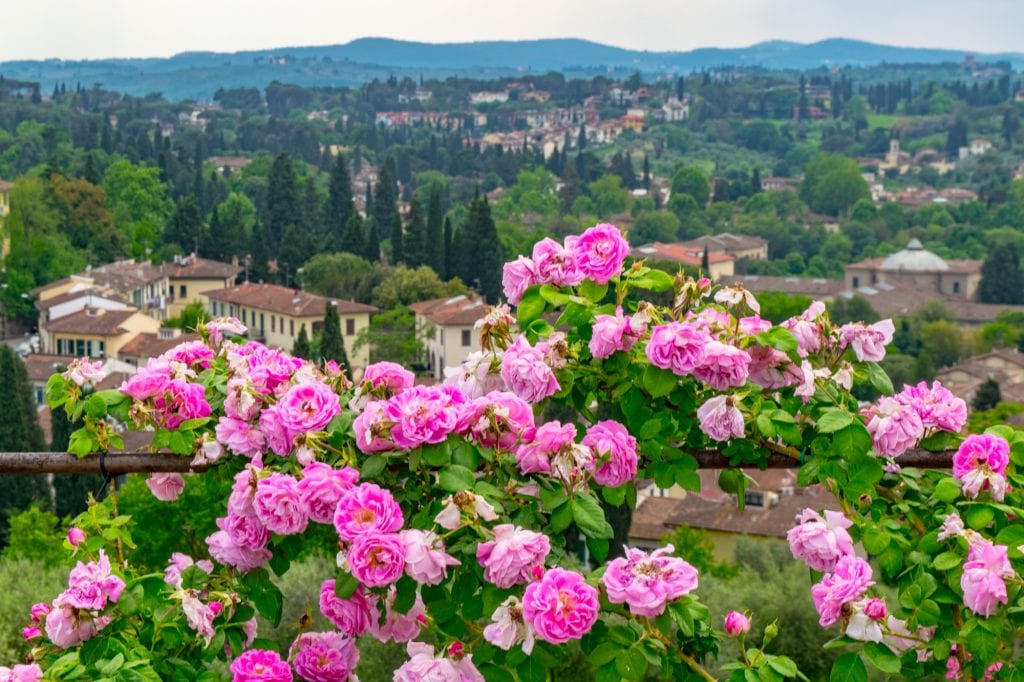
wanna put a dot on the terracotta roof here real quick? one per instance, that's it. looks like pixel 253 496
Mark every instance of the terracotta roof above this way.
pixel 42 305
pixel 92 321
pixel 726 241
pixel 5 186
pixel 124 276
pixel 803 286
pixel 283 300
pixel 41 367
pixel 150 345
pixel 451 311
pixel 679 252
pixel 193 267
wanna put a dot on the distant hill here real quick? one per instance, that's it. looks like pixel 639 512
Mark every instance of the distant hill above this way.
pixel 197 75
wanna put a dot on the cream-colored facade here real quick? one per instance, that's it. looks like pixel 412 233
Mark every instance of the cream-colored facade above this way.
pixel 185 291
pixel 445 327
pixel 100 344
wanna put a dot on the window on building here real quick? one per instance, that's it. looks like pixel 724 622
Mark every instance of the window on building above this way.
pixel 261 324
pixel 466 338
pixel 753 498
pixel 956 287
pixel 80 347
pixel 350 326
pixel 273 323
pixel 103 349
pixel 182 291
pixel 291 327
pixel 856 282
pixel 243 316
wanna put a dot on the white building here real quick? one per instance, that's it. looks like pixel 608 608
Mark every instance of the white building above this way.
pixel 445 326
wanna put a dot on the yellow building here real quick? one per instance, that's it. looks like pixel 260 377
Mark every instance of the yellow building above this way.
pixel 445 326
pixel 275 314
pixel 97 332
pixel 5 201
pixel 190 277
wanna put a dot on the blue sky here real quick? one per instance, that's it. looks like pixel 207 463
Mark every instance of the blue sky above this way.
pixel 34 29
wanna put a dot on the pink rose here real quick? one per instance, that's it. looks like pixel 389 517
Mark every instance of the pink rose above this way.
pixel 39 611
pixel 245 531
pixel 194 354
pixel 21 673
pixel 980 464
pixel 754 325
pixel 82 371
pixel 179 563
pixel 937 407
pixel 178 402
pixel 388 375
pixel 426 562
pixel 324 656
pixel 397 626
pixel 720 419
pixel 851 576
pixel 321 487
pixel 352 615
pixel 278 504
pixel 259 665
pixel 561 606
pixel 550 438
pixel 807 328
pixel 736 624
pixel 149 381
pixel 614 333
pixel 526 373
pixel 224 325
pixel 723 366
pixel 510 558
pixel 422 666
pixel 240 437
pixel 614 451
pixel 165 487
pixel 647 582
pixel 91 585
pixel 517 276
pixel 875 609
pixel 66 626
pixel 372 428
pixel 983 579
pixel 367 508
pixel 771 368
pixel 498 420
pixel 478 375
pixel 868 341
pixel 600 252
pixel 227 552
pixel 555 264
pixel 894 426
pixel 820 542
pixel 377 559
pixel 677 346
pixel 75 536
pixel 508 627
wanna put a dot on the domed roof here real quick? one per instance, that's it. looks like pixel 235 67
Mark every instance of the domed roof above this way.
pixel 914 257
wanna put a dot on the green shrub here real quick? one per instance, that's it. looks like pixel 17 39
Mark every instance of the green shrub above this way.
pixel 24 582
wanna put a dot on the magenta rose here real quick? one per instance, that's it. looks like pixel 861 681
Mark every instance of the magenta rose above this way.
pixel 517 276
pixel 937 407
pixel 352 615
pixel 324 656
pixel 561 606
pixel 556 264
pixel 600 252
pixel 321 487
pixel 498 420
pixel 367 508
pixel 377 559
pixel 259 665
pixel 846 584
pixel 615 452
pixel 513 555
pixel 278 504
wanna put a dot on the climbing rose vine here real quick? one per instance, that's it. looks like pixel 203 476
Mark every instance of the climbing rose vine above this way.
pixel 470 523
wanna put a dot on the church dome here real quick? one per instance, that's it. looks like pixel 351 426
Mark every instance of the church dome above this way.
pixel 914 257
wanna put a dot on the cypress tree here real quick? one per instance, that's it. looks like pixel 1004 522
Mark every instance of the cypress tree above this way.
pixel 397 245
pixel 372 249
pixel 384 209
pixel 647 171
pixel 259 268
pixel 483 265
pixel 353 237
pixel 435 234
pixel 282 202
pixel 71 490
pixel 415 245
pixel 302 348
pixel 988 395
pixel 312 219
pixel 185 226
pixel 332 343
pixel 340 206
pixel 447 260
pixel 1001 278
pixel 705 261
pixel 755 181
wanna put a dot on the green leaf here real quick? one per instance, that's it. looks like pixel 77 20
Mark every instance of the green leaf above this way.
pixel 598 549
pixel 928 613
pixel 980 516
pixel 631 664
pixel 345 585
pixel 882 657
pixel 947 490
pixel 553 295
pixel 876 540
pixel 588 515
pixel 456 478
pixel 852 440
pixel 659 382
pixel 437 455
pixel 848 668
pixel 593 291
pixel 660 280
pixel 605 652
pixel 270 602
pixel 946 561
pixel 833 419
pixel 531 306
pixel 372 467
pixel 783 665
pixel 879 379
pixel 1012 536
pixel 983 645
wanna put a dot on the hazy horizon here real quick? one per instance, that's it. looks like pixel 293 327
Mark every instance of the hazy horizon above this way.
pixel 104 29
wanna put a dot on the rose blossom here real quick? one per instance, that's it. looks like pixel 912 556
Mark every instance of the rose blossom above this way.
pixel 388 375
pixel 67 626
pixel 218 327
pixel 426 562
pixel 807 328
pixel 535 456
pixel 91 585
pixel 820 542
pixel 647 582
pixel 723 366
pixel 478 375
pixel 372 428
pixel 736 624
pixel 983 580
pixel 247 532
pixel 525 372
pixel 82 371
pixel 754 325
pixel 165 487
pixel 613 333
pixel 278 504
pixel 600 252
pixel 367 508
pixel 423 414
pixel 937 406
pixel 516 277
pixel 376 559
pixel 851 576
pixel 148 381
pixel 259 665
pixel 615 452
pixel 321 487
pixel 224 550
pixel 894 427
pixel 39 611
pixel 177 565
pixel 324 656
pixel 498 420
pixel 561 606
pixel 75 536
pixel 556 264
pixel 351 615
pixel 191 353
pixel 31 632
pixel 397 626
pixel 198 615
pixel 868 341
pixel 508 628
pixel 720 419
pixel 952 526
pixel 677 346
pixel 21 673
pixel 510 558
pixel 464 502
pixel 422 666
pixel 980 464
pixel 771 368
pixel 179 402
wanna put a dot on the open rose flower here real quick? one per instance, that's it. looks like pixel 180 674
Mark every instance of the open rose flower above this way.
pixel 647 582
pixel 561 606
pixel 820 542
pixel 259 665
pixel 600 252
pixel 511 557
pixel 980 464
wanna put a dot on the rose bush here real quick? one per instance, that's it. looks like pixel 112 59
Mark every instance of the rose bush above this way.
pixel 453 509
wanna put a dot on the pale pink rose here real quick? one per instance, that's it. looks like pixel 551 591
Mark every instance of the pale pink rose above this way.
pixel 648 582
pixel 723 366
pixel 556 264
pixel 426 561
pixel 321 487
pixel 771 368
pixel 615 456
pixel 936 405
pixel 423 414
pixel 91 585
pixel 464 503
pixel 422 666
pixel 820 542
pixel 278 504
pixel 851 576
pixel 372 428
pixel 600 252
pixel 868 341
pixel 67 626
pixel 983 580
pixel 517 276
pixel 535 456
pixel 980 464
pixel 561 606
pixel 526 373
pixel 259 665
pixel 736 295
pixel 324 656
pixel 245 531
pixel 614 333
pixel 376 559
pixel 720 419
pixel 21 673
pixel 82 371
pixel 754 325
pixel 397 626
pixel 894 426
pixel 165 487
pixel 736 624
pixel 477 376
pixel 225 325
pixel 75 536
pixel 508 627
pixel 807 328
pixel 198 615
pixel 367 508
pixel 677 346
pixel 240 437
pixel 498 420
pixel 511 557
pixel 859 625
pixel 352 615
pixel 952 526
pixel 226 552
